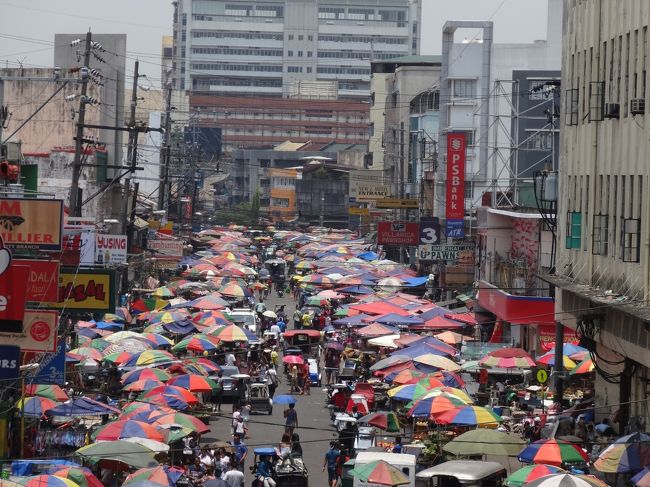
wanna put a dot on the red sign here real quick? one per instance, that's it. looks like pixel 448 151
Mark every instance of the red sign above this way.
pixel 398 233
pixel 455 206
pixel 516 310
pixel 546 335
pixel 43 282
pixel 13 285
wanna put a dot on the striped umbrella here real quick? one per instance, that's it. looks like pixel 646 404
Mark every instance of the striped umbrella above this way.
pixel 549 359
pixel 193 383
pixel 567 480
pixel 642 479
pixel 79 475
pixel 49 480
pixel 35 406
pixel 148 373
pixel 409 392
pixel 231 333
pixel 118 357
pixel 408 376
pixel 434 406
pixel 235 291
pixel 628 454
pixel 450 391
pixel 157 340
pixel 584 367
pixel 437 361
pixel 163 292
pixel 151 358
pixel 88 352
pixel 178 392
pixel 385 420
pixel 531 472
pixel 163 475
pixel 53 392
pixel 185 420
pixel 128 428
pixel 552 452
pixel 210 318
pixel 142 385
pixel 197 343
pixel 469 416
pixel 209 302
pixel 380 472
pixel 507 362
pixel 168 316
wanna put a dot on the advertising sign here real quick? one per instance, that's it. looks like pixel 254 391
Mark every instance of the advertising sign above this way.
pixel 43 280
pixel 429 231
pixel 164 248
pixel 91 290
pixel 9 363
pixel 397 203
pixel 358 211
pixel 78 245
pixel 31 223
pixel 517 310
pixel 442 252
pixel 39 332
pixel 13 285
pixel 110 249
pixel 367 185
pixel 455 194
pixel 51 368
pixel 546 335
pixel 398 233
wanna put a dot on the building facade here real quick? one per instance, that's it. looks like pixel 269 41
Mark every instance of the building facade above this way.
pixel 602 273
pixel 253 47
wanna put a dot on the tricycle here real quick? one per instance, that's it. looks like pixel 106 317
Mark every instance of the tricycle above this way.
pixel 260 399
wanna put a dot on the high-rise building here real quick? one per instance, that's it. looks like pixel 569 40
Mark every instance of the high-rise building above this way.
pixel 277 47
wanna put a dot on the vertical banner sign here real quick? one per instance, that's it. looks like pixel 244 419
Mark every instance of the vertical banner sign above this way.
pixel 455 195
pixel 13 291
pixel 9 364
pixel 51 368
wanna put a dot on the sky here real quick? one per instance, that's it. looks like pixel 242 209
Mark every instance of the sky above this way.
pixel 27 28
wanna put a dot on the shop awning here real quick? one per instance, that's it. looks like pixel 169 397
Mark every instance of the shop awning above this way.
pixel 517 310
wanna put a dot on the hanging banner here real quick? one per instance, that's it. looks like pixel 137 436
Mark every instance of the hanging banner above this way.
pixel 110 249
pixel 51 369
pixel 31 223
pixel 455 194
pixel 166 248
pixel 78 245
pixel 367 185
pixel 9 364
pixel 39 332
pixel 13 285
pixel 43 281
pixel 398 233
pixel 91 290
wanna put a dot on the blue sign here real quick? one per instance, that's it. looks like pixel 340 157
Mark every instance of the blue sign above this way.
pixel 429 231
pixel 455 228
pixel 9 363
pixel 52 368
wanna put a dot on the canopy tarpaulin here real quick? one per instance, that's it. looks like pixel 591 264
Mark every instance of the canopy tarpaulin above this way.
pixel 83 406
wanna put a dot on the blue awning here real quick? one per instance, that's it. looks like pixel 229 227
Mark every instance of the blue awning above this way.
pixel 83 406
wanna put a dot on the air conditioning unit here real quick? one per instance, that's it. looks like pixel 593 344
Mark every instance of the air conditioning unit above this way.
pixel 612 110
pixel 637 106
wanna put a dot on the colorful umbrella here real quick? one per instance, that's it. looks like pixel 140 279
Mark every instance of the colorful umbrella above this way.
pixel 549 359
pixel 210 318
pixel 552 452
pixel 531 472
pixel 140 374
pixel 167 401
pixel 380 472
pixel 157 340
pixel 182 419
pixel 100 344
pixel 79 475
pixel 235 291
pixel 53 392
pixel 143 409
pixel 163 475
pixel 483 441
pixel 49 480
pixel 507 362
pixel 450 391
pixel 642 479
pixel 437 361
pixel 408 376
pixel 231 333
pixel 205 364
pixel 584 367
pixel 118 454
pixel 375 330
pixel 383 420
pixel 628 454
pixel 451 337
pixel 210 302
pixel 35 406
pixel 434 406
pixel 567 480
pixel 127 429
pixel 163 292
pixel 167 316
pixel 470 416
pixel 118 357
pixel 142 385
pixel 151 358
pixel 144 305
pixel 410 392
pixel 178 392
pixel 88 352
pixel 293 359
pixel 193 383
pixel 197 343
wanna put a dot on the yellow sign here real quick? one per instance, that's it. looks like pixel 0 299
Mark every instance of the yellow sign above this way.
pixel 90 290
pixel 398 203
pixel 358 211
pixel 31 223
pixel 542 376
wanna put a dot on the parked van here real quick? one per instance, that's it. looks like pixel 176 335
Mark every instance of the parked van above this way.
pixel 462 473
pixel 401 461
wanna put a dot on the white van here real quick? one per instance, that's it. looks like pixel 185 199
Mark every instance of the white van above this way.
pixel 401 461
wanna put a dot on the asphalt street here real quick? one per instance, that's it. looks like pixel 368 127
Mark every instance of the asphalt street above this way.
pixel 315 428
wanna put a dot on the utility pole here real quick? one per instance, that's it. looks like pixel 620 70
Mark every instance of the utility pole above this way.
pixel 163 195
pixel 84 72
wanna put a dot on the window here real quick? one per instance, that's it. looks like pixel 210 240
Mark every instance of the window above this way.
pixel 300 37
pixel 290 53
pixel 281 202
pixel 600 235
pixel 309 69
pixel 539 140
pixel 596 100
pixel 469 187
pixel 464 88
pixel 309 53
pixel 294 69
pixel 630 239
pixel 537 90
pixel 310 37
pixel 290 37
pixel 299 53
pixel 573 230
pixel 571 106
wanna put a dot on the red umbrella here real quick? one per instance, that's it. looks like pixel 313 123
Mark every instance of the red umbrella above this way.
pixel 179 392
pixel 293 359
pixel 120 429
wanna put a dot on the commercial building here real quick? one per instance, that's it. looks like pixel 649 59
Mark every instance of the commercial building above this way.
pixel 602 273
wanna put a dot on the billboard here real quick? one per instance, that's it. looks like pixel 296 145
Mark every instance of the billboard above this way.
pixel 166 248
pixel 443 252
pixel 455 191
pixel 91 290
pixel 78 244
pixel 429 231
pixel 367 185
pixel 110 249
pixel 398 233
pixel 43 280
pixel 39 332
pixel 13 285
pixel 31 223
pixel 51 369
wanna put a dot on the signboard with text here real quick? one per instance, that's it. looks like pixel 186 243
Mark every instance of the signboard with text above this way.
pixel 31 223
pixel 13 285
pixel 78 244
pixel 110 249
pixel 429 231
pixel 397 203
pixel 398 233
pixel 166 248
pixel 43 280
pixel 9 364
pixel 367 185
pixel 91 290
pixel 455 187
pixel 39 332
pixel 442 252
pixel 51 368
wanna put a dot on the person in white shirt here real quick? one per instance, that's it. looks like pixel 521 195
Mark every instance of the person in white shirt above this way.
pixel 275 328
pixel 230 359
pixel 234 477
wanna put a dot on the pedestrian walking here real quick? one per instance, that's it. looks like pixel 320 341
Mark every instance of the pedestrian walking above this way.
pixel 240 452
pixel 272 381
pixel 291 421
pixel 234 477
pixel 331 464
pixel 217 392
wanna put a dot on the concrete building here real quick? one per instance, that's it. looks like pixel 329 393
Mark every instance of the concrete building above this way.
pixel 264 47
pixel 602 273
pixel 112 69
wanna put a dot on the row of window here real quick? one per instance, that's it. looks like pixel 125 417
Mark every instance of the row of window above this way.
pixel 236 67
pixel 299 53
pixel 283 182
pixel 617 212
pixel 347 70
pixel 267 83
pixel 331 13
pixel 250 11
pixel 236 35
pixel 238 51
pixel 281 202
pixel 362 39
pixel 300 37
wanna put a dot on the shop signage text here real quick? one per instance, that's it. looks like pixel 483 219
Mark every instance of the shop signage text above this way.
pixel 455 190
pixel 31 223
pixel 398 233
pixel 442 252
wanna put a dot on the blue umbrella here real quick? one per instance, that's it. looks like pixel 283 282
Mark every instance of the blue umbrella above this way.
pixel 395 319
pixel 368 256
pixel 284 399
pixel 352 320
pixel 109 325
pixel 356 290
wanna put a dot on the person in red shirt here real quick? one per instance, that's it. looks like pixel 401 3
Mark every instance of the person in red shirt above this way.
pixel 321 321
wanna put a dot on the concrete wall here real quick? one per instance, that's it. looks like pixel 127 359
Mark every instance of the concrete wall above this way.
pixel 378 84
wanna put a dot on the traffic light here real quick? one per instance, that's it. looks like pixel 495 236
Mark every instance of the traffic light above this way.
pixel 9 172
